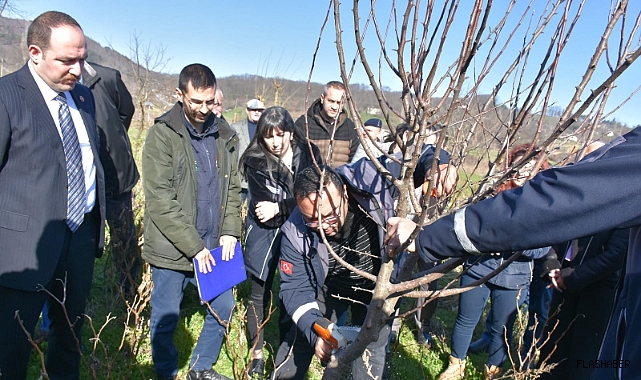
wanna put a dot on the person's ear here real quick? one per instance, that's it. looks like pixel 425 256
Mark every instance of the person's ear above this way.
pixel 35 53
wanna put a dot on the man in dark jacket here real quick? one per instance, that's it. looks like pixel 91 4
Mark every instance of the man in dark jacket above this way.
pixel 52 201
pixel 192 204
pixel 114 110
pixel 353 209
pixel 588 277
pixel 599 193
pixel 325 115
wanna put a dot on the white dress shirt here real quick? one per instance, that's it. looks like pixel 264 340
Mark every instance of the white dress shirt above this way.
pixel 88 165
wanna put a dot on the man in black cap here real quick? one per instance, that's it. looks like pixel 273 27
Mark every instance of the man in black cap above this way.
pixel 372 129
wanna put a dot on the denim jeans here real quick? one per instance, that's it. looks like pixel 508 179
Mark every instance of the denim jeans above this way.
pixel 169 286
pixel 471 304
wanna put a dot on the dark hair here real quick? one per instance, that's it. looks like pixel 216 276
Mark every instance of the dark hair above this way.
pixel 400 130
pixel 272 118
pixel 199 75
pixel 334 84
pixel 308 181
pixel 39 32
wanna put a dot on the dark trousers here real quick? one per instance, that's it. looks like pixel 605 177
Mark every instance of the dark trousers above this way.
pixel 124 242
pixel 471 304
pixel 540 297
pixel 169 288
pixel 424 314
pixel 582 319
pixel 75 266
pixel 295 353
pixel 259 301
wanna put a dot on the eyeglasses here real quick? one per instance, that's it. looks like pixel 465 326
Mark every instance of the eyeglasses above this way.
pixel 198 104
pixel 330 220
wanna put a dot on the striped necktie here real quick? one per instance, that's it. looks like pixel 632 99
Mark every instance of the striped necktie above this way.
pixel 75 174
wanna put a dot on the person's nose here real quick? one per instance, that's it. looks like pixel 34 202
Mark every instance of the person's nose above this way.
pixel 76 68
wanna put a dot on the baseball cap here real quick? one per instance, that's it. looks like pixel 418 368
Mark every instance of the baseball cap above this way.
pixel 374 122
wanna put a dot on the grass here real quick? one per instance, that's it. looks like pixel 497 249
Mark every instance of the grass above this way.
pixel 408 359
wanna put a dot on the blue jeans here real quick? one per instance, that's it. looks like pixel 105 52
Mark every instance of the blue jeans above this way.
pixel 169 287
pixel 471 304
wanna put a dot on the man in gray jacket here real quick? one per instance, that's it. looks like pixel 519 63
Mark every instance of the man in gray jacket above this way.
pixel 192 204
pixel 245 129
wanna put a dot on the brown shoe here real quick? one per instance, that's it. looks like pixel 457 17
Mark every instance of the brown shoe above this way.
pixel 492 372
pixel 454 371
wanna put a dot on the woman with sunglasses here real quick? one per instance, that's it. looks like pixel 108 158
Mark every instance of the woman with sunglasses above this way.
pixel 274 157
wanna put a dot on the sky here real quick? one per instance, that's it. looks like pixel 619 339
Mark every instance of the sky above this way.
pixel 279 37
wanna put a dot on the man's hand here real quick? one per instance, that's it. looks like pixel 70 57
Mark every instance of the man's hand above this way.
pixel 446 178
pixel 398 231
pixel 266 210
pixel 323 350
pixel 557 280
pixel 229 243
pixel 205 260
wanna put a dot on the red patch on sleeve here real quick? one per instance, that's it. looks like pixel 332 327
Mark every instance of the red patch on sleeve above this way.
pixel 286 267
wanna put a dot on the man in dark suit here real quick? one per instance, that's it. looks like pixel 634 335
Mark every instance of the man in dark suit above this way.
pixel 52 201
pixel 114 110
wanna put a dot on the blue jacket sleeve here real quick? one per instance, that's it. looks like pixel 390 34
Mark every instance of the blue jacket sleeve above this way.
pixel 297 289
pixel 596 194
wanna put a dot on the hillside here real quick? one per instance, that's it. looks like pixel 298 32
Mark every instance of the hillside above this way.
pixel 238 89
pixel 154 92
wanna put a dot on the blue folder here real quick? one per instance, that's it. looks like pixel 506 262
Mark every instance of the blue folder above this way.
pixel 224 276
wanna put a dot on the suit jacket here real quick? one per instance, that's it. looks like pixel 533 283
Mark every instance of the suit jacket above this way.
pixel 33 182
pixel 114 110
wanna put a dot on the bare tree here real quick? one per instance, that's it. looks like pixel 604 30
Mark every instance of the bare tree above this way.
pixel 149 88
pixel 6 5
pixel 271 86
pixel 514 56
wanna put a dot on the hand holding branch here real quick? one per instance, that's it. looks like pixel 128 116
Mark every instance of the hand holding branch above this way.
pixel 398 232
pixel 446 178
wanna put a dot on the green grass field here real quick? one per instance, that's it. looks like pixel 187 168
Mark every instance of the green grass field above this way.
pixel 111 357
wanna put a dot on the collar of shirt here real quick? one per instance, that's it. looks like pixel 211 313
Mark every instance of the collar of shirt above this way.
pixel 47 92
pixel 210 126
pixel 53 105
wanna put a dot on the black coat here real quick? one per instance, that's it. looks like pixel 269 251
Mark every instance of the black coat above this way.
pixel 579 315
pixel 262 240
pixel 114 110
